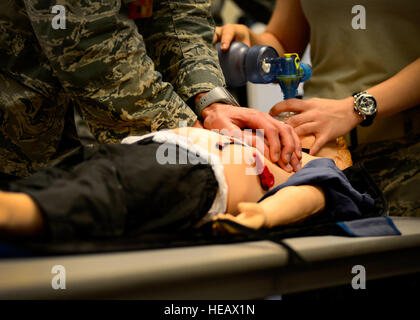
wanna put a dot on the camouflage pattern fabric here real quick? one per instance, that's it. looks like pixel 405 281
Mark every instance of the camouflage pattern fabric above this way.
pixel 100 65
pixel 395 167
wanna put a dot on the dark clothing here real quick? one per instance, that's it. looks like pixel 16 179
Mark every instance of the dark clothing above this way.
pixel 343 202
pixel 119 190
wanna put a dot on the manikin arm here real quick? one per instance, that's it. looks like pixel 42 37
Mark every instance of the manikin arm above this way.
pixel 288 205
pixel 19 215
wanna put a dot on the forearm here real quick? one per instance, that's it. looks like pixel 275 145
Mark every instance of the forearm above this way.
pixel 179 39
pixel 267 39
pixel 292 204
pixel 398 93
pixel 113 122
pixel 288 30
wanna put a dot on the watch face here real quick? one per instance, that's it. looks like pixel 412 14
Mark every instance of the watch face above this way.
pixel 366 104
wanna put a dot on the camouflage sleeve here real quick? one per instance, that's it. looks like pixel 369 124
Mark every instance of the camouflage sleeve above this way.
pixel 101 60
pixel 179 39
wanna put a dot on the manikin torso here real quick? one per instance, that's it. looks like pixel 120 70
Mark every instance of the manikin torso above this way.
pixel 239 169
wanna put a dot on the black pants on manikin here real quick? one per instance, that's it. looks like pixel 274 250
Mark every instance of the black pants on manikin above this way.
pixel 115 190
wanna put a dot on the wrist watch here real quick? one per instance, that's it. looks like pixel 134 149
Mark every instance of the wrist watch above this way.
pixel 218 94
pixel 366 106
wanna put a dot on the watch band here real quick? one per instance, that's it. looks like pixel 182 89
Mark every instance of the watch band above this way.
pixel 218 94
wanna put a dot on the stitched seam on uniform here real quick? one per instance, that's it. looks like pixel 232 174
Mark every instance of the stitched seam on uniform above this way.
pixel 178 40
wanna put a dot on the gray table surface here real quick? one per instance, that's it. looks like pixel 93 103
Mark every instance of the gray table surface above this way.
pixel 231 271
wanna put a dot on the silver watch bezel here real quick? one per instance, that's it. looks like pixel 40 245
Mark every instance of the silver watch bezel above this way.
pixel 358 104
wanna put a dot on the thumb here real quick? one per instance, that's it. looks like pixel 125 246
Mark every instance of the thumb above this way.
pixel 250 208
pixel 251 215
pixel 198 124
pixel 320 140
pixel 217 34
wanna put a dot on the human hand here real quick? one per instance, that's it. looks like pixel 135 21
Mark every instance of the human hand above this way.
pixel 232 32
pixel 198 124
pixel 250 215
pixel 282 143
pixel 326 119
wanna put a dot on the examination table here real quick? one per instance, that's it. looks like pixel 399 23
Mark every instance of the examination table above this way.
pixel 246 270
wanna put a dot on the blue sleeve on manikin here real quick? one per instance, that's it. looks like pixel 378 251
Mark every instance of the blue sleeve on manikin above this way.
pixel 343 202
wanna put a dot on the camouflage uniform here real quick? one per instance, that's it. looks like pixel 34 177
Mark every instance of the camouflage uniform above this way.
pixel 395 167
pixel 99 65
